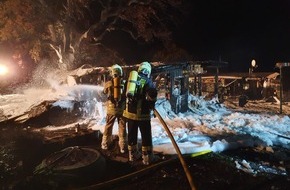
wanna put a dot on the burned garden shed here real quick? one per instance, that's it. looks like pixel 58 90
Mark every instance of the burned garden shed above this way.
pixel 173 80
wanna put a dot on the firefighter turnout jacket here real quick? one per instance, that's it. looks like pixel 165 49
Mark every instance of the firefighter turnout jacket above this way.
pixel 115 106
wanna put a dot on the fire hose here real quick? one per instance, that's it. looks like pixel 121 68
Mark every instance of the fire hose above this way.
pixel 184 165
pixel 154 166
pixel 141 172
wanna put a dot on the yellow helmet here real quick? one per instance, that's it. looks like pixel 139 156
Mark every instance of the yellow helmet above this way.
pixel 145 68
pixel 116 71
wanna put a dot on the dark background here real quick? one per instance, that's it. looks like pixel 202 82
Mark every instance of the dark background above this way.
pixel 238 32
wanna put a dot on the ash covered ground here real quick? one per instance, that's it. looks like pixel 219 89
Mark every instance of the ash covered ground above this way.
pixel 22 150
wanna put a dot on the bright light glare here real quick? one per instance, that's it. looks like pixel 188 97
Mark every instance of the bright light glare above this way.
pixel 3 70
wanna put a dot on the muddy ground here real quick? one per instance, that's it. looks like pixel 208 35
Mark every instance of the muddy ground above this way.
pixel 22 150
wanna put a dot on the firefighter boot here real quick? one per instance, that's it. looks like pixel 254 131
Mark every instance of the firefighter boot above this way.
pixel 106 140
pixel 122 145
pixel 134 154
pixel 148 156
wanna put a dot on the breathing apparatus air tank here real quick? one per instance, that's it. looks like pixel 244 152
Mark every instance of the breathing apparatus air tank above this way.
pixel 117 89
pixel 132 83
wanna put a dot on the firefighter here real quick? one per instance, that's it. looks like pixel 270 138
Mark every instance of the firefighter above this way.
pixel 115 91
pixel 141 97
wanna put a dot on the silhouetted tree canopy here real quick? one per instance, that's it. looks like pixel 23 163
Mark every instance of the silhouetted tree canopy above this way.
pixel 70 33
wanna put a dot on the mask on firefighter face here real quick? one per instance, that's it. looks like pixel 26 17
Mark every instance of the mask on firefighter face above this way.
pixel 145 68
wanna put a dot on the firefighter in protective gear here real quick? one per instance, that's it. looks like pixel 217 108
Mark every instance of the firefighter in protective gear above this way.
pixel 138 108
pixel 115 91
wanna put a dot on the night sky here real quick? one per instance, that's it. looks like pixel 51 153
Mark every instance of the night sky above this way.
pixel 237 31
